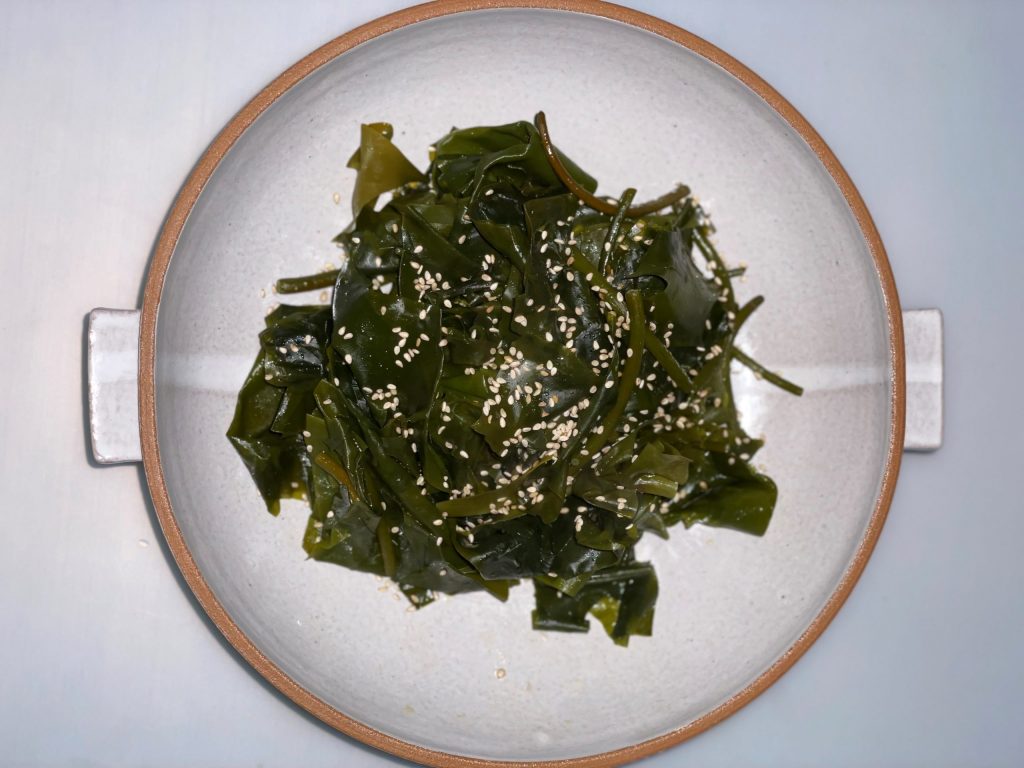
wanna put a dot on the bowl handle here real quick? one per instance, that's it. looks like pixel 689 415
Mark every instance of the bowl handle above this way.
pixel 113 373
pixel 922 333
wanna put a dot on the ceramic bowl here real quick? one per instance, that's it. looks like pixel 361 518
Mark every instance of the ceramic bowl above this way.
pixel 638 103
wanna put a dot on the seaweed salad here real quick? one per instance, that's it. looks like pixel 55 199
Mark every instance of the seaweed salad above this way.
pixel 516 380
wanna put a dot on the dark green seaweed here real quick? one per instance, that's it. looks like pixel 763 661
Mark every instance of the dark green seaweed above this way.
pixel 516 379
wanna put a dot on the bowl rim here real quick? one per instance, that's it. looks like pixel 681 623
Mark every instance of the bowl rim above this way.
pixel 167 241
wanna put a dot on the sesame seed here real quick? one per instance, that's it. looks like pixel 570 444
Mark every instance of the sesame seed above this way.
pixel 418 249
pixel 440 540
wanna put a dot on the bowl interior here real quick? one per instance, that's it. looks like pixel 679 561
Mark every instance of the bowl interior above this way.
pixel 635 110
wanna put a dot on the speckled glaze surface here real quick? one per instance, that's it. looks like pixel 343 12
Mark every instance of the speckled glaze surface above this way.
pixel 467 680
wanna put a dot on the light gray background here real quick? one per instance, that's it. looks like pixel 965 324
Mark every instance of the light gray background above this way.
pixel 105 659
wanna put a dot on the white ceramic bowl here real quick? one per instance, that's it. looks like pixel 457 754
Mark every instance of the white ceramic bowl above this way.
pixel 638 103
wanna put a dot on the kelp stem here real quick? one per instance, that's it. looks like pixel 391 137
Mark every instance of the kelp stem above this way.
pixel 744 313
pixel 593 201
pixel 335 470
pixel 630 372
pixel 740 356
pixel 615 227
pixel 388 555
pixel 308 282
pixel 668 361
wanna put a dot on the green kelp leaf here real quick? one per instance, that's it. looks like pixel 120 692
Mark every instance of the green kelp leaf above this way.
pixel 657 472
pixel 727 496
pixel 294 342
pixel 506 549
pixel 347 537
pixel 380 166
pixel 275 461
pixel 621 598
pixel 687 298
pixel 509 384
pixel 466 158
pixel 537 392
pixel 277 394
pixel 381 335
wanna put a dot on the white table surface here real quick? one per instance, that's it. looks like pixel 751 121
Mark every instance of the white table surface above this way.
pixel 105 659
